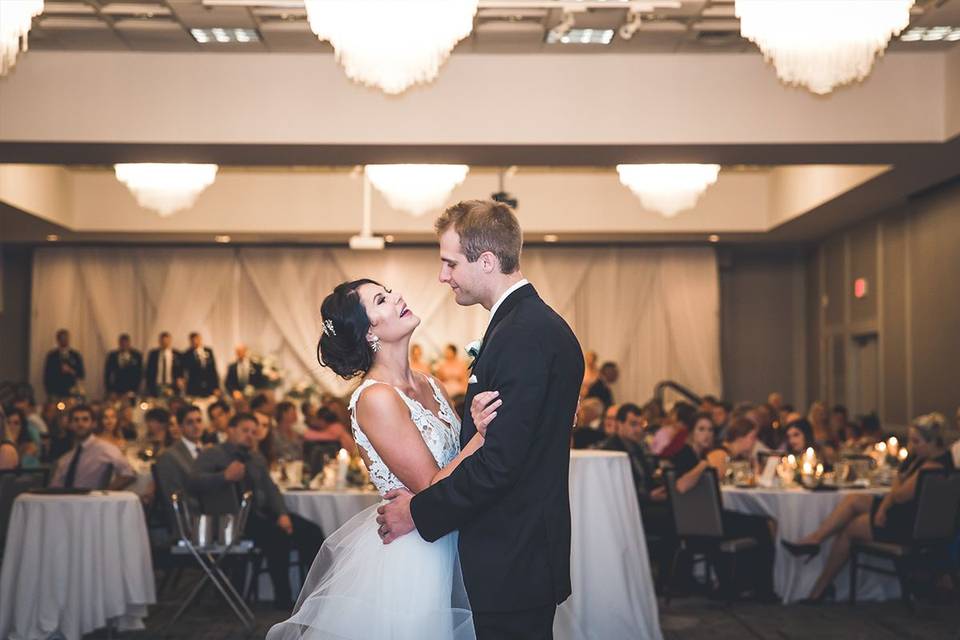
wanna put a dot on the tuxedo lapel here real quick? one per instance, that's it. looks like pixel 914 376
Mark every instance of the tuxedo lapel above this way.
pixel 526 291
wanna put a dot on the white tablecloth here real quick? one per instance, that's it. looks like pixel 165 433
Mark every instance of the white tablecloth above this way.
pixel 72 563
pixel 613 595
pixel 329 508
pixel 799 512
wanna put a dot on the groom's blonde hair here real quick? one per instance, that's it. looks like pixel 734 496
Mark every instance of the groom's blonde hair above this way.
pixel 485 225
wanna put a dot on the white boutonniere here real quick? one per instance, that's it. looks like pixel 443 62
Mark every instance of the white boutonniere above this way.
pixel 473 350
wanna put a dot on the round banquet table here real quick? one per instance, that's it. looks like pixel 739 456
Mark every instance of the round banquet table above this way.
pixel 329 508
pixel 613 595
pixel 74 563
pixel 797 513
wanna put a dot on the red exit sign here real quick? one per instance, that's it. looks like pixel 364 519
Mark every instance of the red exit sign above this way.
pixel 860 288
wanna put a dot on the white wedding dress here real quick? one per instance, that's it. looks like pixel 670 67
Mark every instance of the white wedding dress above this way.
pixel 360 588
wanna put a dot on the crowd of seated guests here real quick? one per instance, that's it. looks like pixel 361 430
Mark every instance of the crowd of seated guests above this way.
pixel 691 439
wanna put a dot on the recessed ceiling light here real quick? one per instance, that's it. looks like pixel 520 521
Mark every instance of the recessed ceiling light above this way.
pixel 550 237
pixel 581 36
pixel 52 237
pixel 225 35
pixel 222 239
pixel 713 237
pixel 388 238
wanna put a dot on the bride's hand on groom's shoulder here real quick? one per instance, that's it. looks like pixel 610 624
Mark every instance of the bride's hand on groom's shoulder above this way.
pixel 483 409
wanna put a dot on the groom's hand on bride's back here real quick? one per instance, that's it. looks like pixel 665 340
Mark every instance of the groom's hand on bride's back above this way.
pixel 483 409
pixel 394 518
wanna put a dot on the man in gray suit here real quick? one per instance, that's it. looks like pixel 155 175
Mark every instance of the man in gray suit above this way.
pixel 176 464
pixel 224 472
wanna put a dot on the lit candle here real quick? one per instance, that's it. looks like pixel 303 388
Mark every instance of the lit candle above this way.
pixel 881 447
pixel 902 454
pixel 343 463
pixel 792 460
pixel 819 469
pixel 807 469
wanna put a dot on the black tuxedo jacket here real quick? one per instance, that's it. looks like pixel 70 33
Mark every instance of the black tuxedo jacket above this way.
pixel 254 377
pixel 202 380
pixel 123 379
pixel 510 500
pixel 55 381
pixel 153 368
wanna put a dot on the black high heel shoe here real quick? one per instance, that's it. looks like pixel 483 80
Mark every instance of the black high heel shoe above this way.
pixel 806 551
pixel 830 593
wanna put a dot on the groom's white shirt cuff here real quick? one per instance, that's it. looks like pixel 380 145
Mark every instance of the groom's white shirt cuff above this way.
pixel 493 309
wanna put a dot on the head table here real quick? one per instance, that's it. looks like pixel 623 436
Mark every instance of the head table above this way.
pixel 613 595
pixel 73 564
pixel 798 512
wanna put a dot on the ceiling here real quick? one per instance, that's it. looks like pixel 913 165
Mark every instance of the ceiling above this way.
pixel 697 26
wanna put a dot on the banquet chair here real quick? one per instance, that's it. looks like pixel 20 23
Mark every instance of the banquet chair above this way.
pixel 936 526
pixel 210 556
pixel 13 482
pixel 698 519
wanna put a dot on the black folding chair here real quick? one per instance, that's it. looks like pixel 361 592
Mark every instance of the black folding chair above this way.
pixel 698 519
pixel 210 555
pixel 935 528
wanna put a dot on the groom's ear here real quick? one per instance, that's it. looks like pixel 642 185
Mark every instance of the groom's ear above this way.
pixel 489 262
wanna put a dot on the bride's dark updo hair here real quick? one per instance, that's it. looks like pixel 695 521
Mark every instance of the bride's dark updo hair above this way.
pixel 343 345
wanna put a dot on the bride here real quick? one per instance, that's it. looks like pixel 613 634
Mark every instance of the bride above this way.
pixel 409 436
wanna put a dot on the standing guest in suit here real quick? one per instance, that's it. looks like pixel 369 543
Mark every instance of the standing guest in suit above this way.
pixel 609 374
pixel 202 377
pixel 92 463
pixel 225 471
pixel 509 500
pixel 124 368
pixel 164 368
pixel 176 464
pixel 219 414
pixel 63 368
pixel 244 371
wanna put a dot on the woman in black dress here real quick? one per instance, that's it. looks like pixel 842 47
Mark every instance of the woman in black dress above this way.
pixel 886 519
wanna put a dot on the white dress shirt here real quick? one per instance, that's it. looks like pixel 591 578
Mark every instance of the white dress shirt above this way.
pixel 165 367
pixel 493 309
pixel 192 448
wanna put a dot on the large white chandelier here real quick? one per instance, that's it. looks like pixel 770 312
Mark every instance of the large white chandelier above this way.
pixel 668 188
pixel 166 188
pixel 16 16
pixel 822 44
pixel 416 188
pixel 388 43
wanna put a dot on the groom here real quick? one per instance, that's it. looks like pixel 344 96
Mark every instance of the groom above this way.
pixel 510 499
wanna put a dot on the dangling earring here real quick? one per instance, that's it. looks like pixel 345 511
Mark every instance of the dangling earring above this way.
pixel 375 344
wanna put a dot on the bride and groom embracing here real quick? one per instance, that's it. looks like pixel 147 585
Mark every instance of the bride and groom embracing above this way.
pixel 495 487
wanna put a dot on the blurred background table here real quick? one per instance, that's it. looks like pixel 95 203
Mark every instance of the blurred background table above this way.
pixel 329 508
pixel 73 564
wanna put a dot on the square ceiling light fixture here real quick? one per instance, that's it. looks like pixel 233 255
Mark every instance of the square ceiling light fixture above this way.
pixel 225 35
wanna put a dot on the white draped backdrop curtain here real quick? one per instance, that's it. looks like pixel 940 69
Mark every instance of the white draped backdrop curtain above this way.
pixel 655 311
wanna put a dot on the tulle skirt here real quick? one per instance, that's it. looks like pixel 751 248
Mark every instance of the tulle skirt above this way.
pixel 359 588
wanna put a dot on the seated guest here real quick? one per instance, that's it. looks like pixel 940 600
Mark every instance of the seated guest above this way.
pixel 630 438
pixel 93 461
pixel 286 441
pixel 9 456
pixel 176 464
pixel 737 442
pixel 839 417
pixel 219 414
pixel 324 426
pixel 223 471
pixel 263 438
pixel 721 416
pixel 158 422
pixel 871 432
pixel 672 435
pixel 27 441
pixel 108 428
pixel 610 421
pixel 800 437
pixel 587 430
pixel 817 416
pixel 417 362
pixel 775 401
pixel 36 423
pixel 263 404
pixel 691 461
pixel 124 369
pixel 886 519
pixel 244 372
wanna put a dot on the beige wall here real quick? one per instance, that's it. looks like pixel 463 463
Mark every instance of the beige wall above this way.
pixel 276 98
pixel 41 190
pixel 952 93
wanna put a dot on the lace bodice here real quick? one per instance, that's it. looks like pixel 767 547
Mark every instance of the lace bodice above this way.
pixel 440 433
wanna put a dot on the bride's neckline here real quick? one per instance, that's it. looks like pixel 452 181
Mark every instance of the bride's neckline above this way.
pixel 435 392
